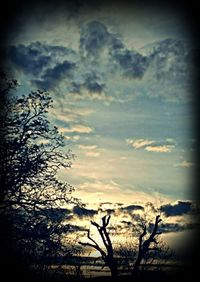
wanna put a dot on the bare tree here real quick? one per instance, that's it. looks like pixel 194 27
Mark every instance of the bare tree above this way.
pixel 145 245
pixel 107 255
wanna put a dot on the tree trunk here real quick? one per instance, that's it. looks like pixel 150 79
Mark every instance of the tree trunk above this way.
pixel 136 265
pixel 113 269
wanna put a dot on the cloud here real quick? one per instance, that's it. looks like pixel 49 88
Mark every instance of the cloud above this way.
pixel 139 143
pixel 173 227
pixel 62 112
pixel 151 145
pixel 96 39
pixel 77 128
pixel 93 154
pixel 83 212
pixel 184 164
pixel 94 83
pixel 159 149
pixel 90 150
pixel 176 209
pixel 28 58
pixel 56 74
pixel 73 138
pixel 90 81
pixel 94 36
pixel 35 57
pixel 87 147
pixel 132 208
pixel 104 63
pixel 105 203
pixel 132 63
pixel 170 60
pixel 98 186
pixel 108 211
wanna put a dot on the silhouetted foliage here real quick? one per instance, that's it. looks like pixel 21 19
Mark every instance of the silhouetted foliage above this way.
pixel 31 156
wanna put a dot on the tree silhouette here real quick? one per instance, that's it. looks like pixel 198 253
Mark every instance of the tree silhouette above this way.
pixel 31 155
pixel 145 245
pixel 107 255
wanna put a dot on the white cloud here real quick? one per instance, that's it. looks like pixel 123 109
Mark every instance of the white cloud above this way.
pixel 123 158
pixel 151 145
pixel 77 128
pixel 184 164
pixel 92 154
pixel 139 143
pixel 91 96
pixel 63 116
pixel 97 191
pixel 90 150
pixel 159 149
pixel 61 112
pixel 72 138
pixel 87 147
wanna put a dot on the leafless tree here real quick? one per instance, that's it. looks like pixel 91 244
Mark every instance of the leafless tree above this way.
pixel 107 255
pixel 145 245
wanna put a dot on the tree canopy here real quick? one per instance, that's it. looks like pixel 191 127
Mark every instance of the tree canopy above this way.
pixel 31 154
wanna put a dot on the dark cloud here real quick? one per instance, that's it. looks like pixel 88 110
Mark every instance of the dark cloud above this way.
pixel 166 46
pixel 35 57
pixel 116 44
pixel 177 209
pixel 83 212
pixel 93 82
pixel 173 227
pixel 119 204
pixel 161 68
pixel 169 59
pixel 53 76
pixel 28 58
pixel 108 211
pixel 90 81
pixel 94 36
pixel 131 208
pixel 105 203
pixel 132 63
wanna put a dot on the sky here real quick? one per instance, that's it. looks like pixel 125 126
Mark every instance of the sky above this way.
pixel 120 77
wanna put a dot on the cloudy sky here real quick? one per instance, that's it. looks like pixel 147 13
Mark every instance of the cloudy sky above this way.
pixel 120 77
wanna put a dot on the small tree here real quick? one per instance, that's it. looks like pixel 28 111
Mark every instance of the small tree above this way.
pixel 145 245
pixel 107 255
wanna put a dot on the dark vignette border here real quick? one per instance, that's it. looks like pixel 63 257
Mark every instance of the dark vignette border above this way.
pixel 11 264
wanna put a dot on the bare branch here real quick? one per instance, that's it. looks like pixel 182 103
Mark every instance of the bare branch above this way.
pixel 107 257
pixel 145 245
